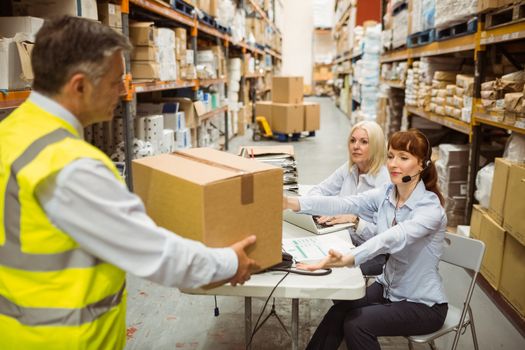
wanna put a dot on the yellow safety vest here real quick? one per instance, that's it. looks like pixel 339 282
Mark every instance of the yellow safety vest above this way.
pixel 53 294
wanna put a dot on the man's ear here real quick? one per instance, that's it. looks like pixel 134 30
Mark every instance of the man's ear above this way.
pixel 77 84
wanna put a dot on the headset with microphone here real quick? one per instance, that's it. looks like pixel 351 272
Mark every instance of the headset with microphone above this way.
pixel 426 162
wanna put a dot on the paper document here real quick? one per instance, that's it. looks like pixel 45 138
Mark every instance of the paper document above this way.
pixel 314 249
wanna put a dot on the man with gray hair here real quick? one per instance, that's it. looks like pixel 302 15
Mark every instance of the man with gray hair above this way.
pixel 70 229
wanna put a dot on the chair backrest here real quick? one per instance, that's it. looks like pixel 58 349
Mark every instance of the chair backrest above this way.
pixel 463 251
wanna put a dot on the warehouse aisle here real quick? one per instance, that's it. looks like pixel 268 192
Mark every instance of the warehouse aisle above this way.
pixel 163 318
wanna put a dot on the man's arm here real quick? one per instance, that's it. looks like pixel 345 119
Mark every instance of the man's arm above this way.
pixel 87 202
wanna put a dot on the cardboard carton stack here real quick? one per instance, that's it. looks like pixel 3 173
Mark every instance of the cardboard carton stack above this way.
pixel 17 35
pixel 214 197
pixel 452 168
pixel 110 14
pixel 287 113
pixel 153 57
pixel 463 95
pixel 439 92
pixel 412 85
pixel 495 102
pixel 502 228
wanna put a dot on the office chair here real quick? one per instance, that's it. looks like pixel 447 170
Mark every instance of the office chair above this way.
pixel 466 253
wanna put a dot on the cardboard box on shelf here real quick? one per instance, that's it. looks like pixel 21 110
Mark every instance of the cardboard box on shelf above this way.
pixel 145 70
pixel 475 221
pixel 16 72
pixel 192 110
pixel 287 89
pixel 312 116
pixel 514 204
pixel 109 14
pixel 145 53
pixel 143 33
pixel 214 197
pixel 493 235
pixel 499 189
pixel 512 283
pixel 10 26
pixel 264 109
pixel 287 118
pixel 49 8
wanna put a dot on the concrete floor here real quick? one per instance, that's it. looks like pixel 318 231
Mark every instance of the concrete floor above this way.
pixel 163 318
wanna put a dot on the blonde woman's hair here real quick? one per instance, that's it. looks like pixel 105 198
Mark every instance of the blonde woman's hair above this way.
pixel 376 145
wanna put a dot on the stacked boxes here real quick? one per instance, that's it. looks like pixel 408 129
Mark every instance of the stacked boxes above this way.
pixel 287 113
pixel 439 92
pixel 495 101
pixel 463 95
pixel 153 57
pixel 502 228
pixel 110 15
pixel 452 168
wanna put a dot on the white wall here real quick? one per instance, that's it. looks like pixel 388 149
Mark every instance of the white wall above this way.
pixel 296 24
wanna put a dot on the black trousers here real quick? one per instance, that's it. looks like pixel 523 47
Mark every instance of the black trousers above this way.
pixel 360 322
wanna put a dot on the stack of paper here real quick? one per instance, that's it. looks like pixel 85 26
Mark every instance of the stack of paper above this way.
pixel 314 249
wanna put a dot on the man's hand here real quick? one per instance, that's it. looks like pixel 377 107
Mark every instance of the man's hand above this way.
pixel 245 265
pixel 336 219
pixel 334 259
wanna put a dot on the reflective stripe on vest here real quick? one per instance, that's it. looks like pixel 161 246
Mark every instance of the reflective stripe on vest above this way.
pixel 11 254
pixel 32 316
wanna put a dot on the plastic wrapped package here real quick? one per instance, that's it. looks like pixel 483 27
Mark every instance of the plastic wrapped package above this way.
pixel 515 148
pixel 225 13
pixel 400 29
pixel 449 12
pixel 484 185
pixel 428 13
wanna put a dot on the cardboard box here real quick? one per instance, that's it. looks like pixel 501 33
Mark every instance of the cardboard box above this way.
pixel 51 8
pixel 145 53
pixel 493 235
pixel 499 189
pixel 287 89
pixel 10 26
pixel 109 14
pixel 214 197
pixel 145 70
pixel 312 116
pixel 287 118
pixel 475 221
pixel 513 213
pixel 192 110
pixel 512 284
pixel 143 33
pixel 16 72
pixel 264 109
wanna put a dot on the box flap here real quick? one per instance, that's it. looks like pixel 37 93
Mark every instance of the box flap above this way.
pixel 194 165
pixel 227 160
pixel 200 109
pixel 258 150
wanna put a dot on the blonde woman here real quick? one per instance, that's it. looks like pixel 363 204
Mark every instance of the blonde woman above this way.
pixel 364 170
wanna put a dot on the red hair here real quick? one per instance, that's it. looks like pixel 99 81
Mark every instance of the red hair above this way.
pixel 416 143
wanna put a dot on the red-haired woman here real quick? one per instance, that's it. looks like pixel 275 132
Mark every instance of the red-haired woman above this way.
pixel 408 298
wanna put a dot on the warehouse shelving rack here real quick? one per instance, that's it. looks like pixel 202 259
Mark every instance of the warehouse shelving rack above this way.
pixel 478 43
pixel 12 99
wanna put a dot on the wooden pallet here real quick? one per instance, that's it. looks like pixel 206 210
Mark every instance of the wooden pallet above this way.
pixel 507 15
pixel 183 7
pixel 459 29
pixel 421 38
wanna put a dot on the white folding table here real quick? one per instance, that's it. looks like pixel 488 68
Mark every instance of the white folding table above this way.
pixel 341 284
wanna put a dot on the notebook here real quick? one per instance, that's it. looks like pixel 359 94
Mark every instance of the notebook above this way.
pixel 308 223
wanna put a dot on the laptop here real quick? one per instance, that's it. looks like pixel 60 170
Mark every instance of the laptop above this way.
pixel 308 223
